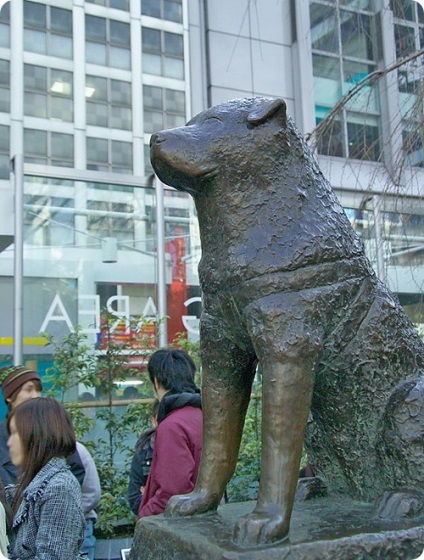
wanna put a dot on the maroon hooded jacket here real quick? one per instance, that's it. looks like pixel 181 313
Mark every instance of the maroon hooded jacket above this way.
pixel 176 459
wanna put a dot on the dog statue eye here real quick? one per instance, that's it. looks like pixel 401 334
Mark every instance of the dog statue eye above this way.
pixel 213 119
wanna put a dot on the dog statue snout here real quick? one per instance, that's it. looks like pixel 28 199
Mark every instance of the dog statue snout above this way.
pixel 156 138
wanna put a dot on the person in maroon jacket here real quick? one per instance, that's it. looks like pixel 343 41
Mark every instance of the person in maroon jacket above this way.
pixel 178 443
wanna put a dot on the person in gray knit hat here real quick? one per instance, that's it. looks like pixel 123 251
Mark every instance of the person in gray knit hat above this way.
pixel 19 384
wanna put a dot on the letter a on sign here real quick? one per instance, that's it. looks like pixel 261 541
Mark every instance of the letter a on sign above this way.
pixel 64 317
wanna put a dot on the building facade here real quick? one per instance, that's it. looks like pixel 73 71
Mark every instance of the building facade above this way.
pixel 83 84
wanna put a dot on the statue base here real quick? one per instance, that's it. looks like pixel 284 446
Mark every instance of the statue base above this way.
pixel 333 528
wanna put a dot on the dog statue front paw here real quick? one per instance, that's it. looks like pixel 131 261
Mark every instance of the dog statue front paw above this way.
pixel 191 504
pixel 264 525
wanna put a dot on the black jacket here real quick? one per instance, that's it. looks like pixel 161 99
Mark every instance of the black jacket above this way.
pixel 140 468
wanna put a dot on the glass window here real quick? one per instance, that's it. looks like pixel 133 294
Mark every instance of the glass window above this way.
pixel 152 97
pixel 112 42
pixel 35 41
pixel 363 139
pixel 356 35
pixel 409 38
pixel 35 105
pixel 324 28
pixel 151 39
pixel 116 4
pixel 153 121
pixel 175 100
pixel 120 4
pixel 95 28
pixel 49 148
pixel 148 169
pixel 96 53
pixel 48 93
pixel 61 46
pixel 35 142
pixel 120 58
pixel 109 155
pixel 62 148
pixel 4 151
pixel 403 9
pixel 108 103
pixel 35 77
pixel 163 53
pixel 170 10
pixel 173 44
pixel 4 86
pixel 151 8
pixel 48 30
pixel 331 141
pixel 45 223
pixel 97 114
pixel 105 223
pixel 163 108
pixel 119 33
pixel 413 143
pixel 152 64
pixel 96 88
pixel 97 150
pixel 173 68
pixel 344 44
pixel 121 153
pixel 35 15
pixel 61 20
pixel 404 40
pixel 120 92
pixel 5 25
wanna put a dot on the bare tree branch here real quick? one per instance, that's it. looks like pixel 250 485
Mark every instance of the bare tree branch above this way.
pixel 369 80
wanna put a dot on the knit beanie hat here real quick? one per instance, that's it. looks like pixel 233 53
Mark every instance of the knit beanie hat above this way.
pixel 13 377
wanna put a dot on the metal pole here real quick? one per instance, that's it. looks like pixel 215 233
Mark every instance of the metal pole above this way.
pixel 18 171
pixel 381 269
pixel 161 276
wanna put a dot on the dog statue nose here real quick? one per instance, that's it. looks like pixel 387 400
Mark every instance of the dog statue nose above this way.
pixel 156 138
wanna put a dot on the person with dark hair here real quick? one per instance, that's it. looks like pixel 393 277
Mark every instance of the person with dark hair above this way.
pixel 142 461
pixel 48 518
pixel 178 439
pixel 19 384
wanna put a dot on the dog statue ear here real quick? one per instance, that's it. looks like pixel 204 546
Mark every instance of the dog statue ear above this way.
pixel 264 111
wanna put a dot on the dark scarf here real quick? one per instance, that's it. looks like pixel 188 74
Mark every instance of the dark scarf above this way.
pixel 173 400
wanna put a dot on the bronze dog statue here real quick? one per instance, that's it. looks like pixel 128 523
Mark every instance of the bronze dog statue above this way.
pixel 285 282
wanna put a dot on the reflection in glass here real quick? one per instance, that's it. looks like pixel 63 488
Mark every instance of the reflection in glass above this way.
pixel 356 34
pixel 331 141
pixel 404 40
pixel 34 15
pixel 35 41
pixel 4 152
pixel 324 28
pixel 327 80
pixel 363 139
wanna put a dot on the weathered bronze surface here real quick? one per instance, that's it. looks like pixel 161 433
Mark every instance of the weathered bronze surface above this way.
pixel 285 282
pixel 331 528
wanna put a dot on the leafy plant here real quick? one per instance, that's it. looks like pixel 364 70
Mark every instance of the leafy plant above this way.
pixel 75 361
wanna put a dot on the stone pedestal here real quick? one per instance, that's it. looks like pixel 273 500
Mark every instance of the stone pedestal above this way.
pixel 324 528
